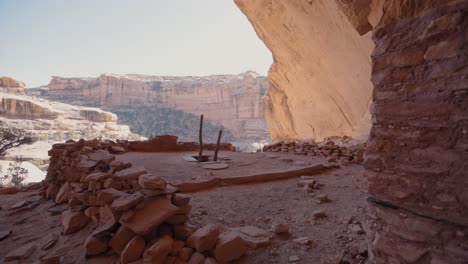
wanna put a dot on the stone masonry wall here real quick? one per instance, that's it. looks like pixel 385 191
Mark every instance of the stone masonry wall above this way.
pixel 417 154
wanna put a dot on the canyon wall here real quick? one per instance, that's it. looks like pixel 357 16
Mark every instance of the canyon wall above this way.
pixel 319 83
pixel 417 153
pixel 233 101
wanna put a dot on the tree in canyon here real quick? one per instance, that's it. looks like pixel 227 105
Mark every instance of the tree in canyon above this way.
pixel 12 138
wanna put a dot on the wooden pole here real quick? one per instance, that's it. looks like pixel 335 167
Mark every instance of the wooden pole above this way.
pixel 217 145
pixel 200 140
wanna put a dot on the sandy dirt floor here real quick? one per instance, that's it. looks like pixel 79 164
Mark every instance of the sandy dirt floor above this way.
pixel 338 236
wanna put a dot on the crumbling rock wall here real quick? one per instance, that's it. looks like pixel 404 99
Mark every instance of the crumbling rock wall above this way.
pixel 417 153
pixel 136 215
pixel 319 83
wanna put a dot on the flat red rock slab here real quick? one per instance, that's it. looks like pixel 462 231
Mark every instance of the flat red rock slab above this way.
pixel 152 213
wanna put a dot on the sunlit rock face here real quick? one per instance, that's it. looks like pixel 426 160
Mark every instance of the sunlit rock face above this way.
pixel 233 101
pixel 10 85
pixel 319 83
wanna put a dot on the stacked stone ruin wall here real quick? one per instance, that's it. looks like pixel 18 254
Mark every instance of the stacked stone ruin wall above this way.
pixel 417 153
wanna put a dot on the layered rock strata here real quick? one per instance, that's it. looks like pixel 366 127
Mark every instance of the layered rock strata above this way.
pixel 233 101
pixel 319 83
pixel 416 156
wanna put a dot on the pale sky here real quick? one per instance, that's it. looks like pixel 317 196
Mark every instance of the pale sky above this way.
pixel 71 38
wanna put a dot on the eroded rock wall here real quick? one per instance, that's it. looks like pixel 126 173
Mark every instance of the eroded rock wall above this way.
pixel 417 153
pixel 319 83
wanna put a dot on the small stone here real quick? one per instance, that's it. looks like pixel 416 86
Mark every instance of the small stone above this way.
pixel 302 240
pixel 120 239
pixel 183 232
pixel 109 195
pixel 253 237
pixel 323 198
pixel 210 261
pixel 129 173
pixel 21 253
pixel 158 252
pixel 133 250
pixel 92 213
pixel 95 246
pixel 319 214
pixel 97 176
pixel 280 229
pixel 197 258
pixel 111 183
pixel 151 182
pixel 294 258
pixel 185 253
pixel 126 202
pixel 179 199
pixel 177 247
pixel 19 204
pixel 62 195
pixel 204 238
pixel 117 149
pixel 73 221
pixel 229 247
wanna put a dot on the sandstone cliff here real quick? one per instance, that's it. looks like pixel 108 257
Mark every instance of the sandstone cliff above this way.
pixel 233 101
pixel 319 83
pixel 52 121
pixel 10 85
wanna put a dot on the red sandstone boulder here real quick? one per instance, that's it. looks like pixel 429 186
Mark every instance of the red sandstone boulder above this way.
pixel 129 173
pixel 73 221
pixel 204 238
pixel 62 195
pixel 133 250
pixel 229 247
pixel 180 199
pixel 185 253
pixel 97 176
pixel 95 246
pixel 150 214
pixel 109 195
pixel 197 258
pixel 120 239
pixel 126 202
pixel 158 252
pixel 252 236
pixel 152 182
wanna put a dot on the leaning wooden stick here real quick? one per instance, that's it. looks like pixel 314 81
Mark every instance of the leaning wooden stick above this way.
pixel 200 140
pixel 217 146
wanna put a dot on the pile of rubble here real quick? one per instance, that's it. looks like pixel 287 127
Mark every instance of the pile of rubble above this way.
pixel 344 153
pixel 137 215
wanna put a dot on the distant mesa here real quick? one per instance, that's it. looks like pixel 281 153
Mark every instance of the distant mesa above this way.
pixel 10 85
